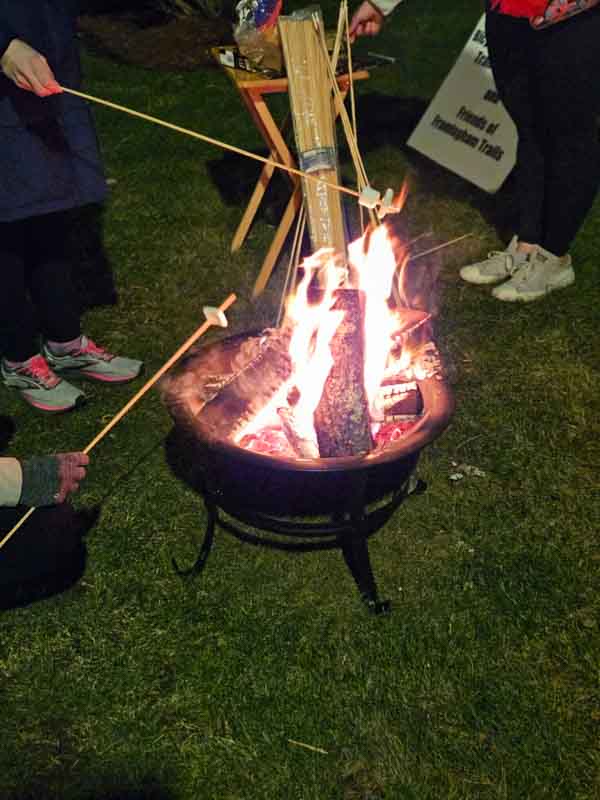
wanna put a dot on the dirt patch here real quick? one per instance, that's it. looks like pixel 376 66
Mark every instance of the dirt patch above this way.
pixel 177 45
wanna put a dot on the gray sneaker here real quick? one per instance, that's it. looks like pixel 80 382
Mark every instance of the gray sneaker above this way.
pixel 499 265
pixel 40 387
pixel 92 361
pixel 542 273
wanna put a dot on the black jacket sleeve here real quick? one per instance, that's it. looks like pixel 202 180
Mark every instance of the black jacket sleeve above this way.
pixel 6 37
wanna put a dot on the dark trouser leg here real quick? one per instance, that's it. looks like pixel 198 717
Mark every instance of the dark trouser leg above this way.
pixel 548 82
pixel 49 277
pixel 18 327
pixel 511 57
pixel 569 66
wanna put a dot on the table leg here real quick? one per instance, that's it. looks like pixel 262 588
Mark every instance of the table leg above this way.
pixel 257 196
pixel 278 151
pixel 287 220
pixel 252 207
pixel 267 126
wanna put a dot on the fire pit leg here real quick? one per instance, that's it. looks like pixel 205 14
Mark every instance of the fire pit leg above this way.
pixel 355 549
pixel 199 563
pixel 356 554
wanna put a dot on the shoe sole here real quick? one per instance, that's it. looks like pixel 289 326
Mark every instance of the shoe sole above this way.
pixel 81 401
pixel 46 408
pixel 96 376
pixel 531 296
pixel 483 281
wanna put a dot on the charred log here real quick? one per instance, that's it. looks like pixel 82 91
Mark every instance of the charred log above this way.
pixel 399 399
pixel 249 388
pixel 342 419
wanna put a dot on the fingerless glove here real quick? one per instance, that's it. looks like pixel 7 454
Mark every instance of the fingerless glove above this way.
pixel 41 481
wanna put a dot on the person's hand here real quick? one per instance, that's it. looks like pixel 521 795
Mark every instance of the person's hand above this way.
pixel 71 471
pixel 48 480
pixel 366 21
pixel 554 12
pixel 28 69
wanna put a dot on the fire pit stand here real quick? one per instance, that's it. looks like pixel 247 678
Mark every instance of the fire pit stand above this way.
pixel 348 527
pixel 290 503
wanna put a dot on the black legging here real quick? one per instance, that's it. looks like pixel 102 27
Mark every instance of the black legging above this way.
pixel 36 292
pixel 549 83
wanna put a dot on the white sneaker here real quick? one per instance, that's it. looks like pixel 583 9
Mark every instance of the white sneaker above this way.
pixel 542 273
pixel 499 265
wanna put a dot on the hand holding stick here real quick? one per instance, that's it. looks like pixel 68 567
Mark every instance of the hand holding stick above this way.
pixel 214 316
pixel 28 69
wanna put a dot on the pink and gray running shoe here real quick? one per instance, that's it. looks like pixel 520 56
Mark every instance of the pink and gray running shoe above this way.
pixel 92 361
pixel 40 386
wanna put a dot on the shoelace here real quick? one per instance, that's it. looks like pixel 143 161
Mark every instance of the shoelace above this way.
pixel 37 367
pixel 514 266
pixel 509 261
pixel 90 348
pixel 522 267
pixel 526 268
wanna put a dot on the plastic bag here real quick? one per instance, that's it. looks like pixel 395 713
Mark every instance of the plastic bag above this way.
pixel 256 33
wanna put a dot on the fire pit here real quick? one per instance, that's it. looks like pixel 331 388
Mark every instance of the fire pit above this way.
pixel 261 468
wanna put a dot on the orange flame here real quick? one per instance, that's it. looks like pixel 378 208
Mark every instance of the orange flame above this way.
pixel 375 271
pixel 376 262
pixel 314 328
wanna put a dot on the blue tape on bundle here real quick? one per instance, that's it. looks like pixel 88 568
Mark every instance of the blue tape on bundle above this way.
pixel 319 158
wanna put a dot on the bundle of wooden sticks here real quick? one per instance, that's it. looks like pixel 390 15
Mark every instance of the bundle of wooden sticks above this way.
pixel 313 114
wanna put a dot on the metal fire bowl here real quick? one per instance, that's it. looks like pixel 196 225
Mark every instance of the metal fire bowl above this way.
pixel 298 486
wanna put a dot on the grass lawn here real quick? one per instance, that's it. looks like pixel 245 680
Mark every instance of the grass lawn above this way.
pixel 483 683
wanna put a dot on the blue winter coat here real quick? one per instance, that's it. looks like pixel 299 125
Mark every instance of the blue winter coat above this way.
pixel 49 158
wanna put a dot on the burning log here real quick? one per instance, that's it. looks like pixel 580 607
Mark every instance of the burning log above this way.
pixel 301 442
pixel 250 388
pixel 341 418
pixel 398 399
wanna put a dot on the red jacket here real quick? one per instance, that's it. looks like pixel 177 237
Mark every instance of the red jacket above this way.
pixel 520 8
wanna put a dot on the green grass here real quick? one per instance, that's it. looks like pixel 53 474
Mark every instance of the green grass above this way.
pixel 483 684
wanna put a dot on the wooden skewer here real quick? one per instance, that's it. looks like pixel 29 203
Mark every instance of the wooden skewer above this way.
pixel 292 270
pixel 440 246
pixel 309 747
pixel 13 530
pixel 347 125
pixel 128 406
pixel 210 140
pixel 344 8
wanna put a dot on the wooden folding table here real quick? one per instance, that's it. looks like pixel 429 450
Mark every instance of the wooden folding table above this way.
pixel 253 88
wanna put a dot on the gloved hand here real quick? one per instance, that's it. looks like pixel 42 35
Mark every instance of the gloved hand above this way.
pixel 28 69
pixel 50 479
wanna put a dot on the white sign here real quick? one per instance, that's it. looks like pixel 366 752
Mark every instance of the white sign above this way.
pixel 466 128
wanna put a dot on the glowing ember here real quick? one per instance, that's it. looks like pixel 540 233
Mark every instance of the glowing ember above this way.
pixel 390 432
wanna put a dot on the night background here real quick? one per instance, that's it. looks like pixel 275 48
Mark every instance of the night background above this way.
pixel 265 677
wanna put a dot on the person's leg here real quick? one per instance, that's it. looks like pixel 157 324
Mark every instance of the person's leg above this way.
pixel 568 57
pixel 54 294
pixel 566 65
pixel 22 366
pixel 49 278
pixel 510 50
pixel 18 329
